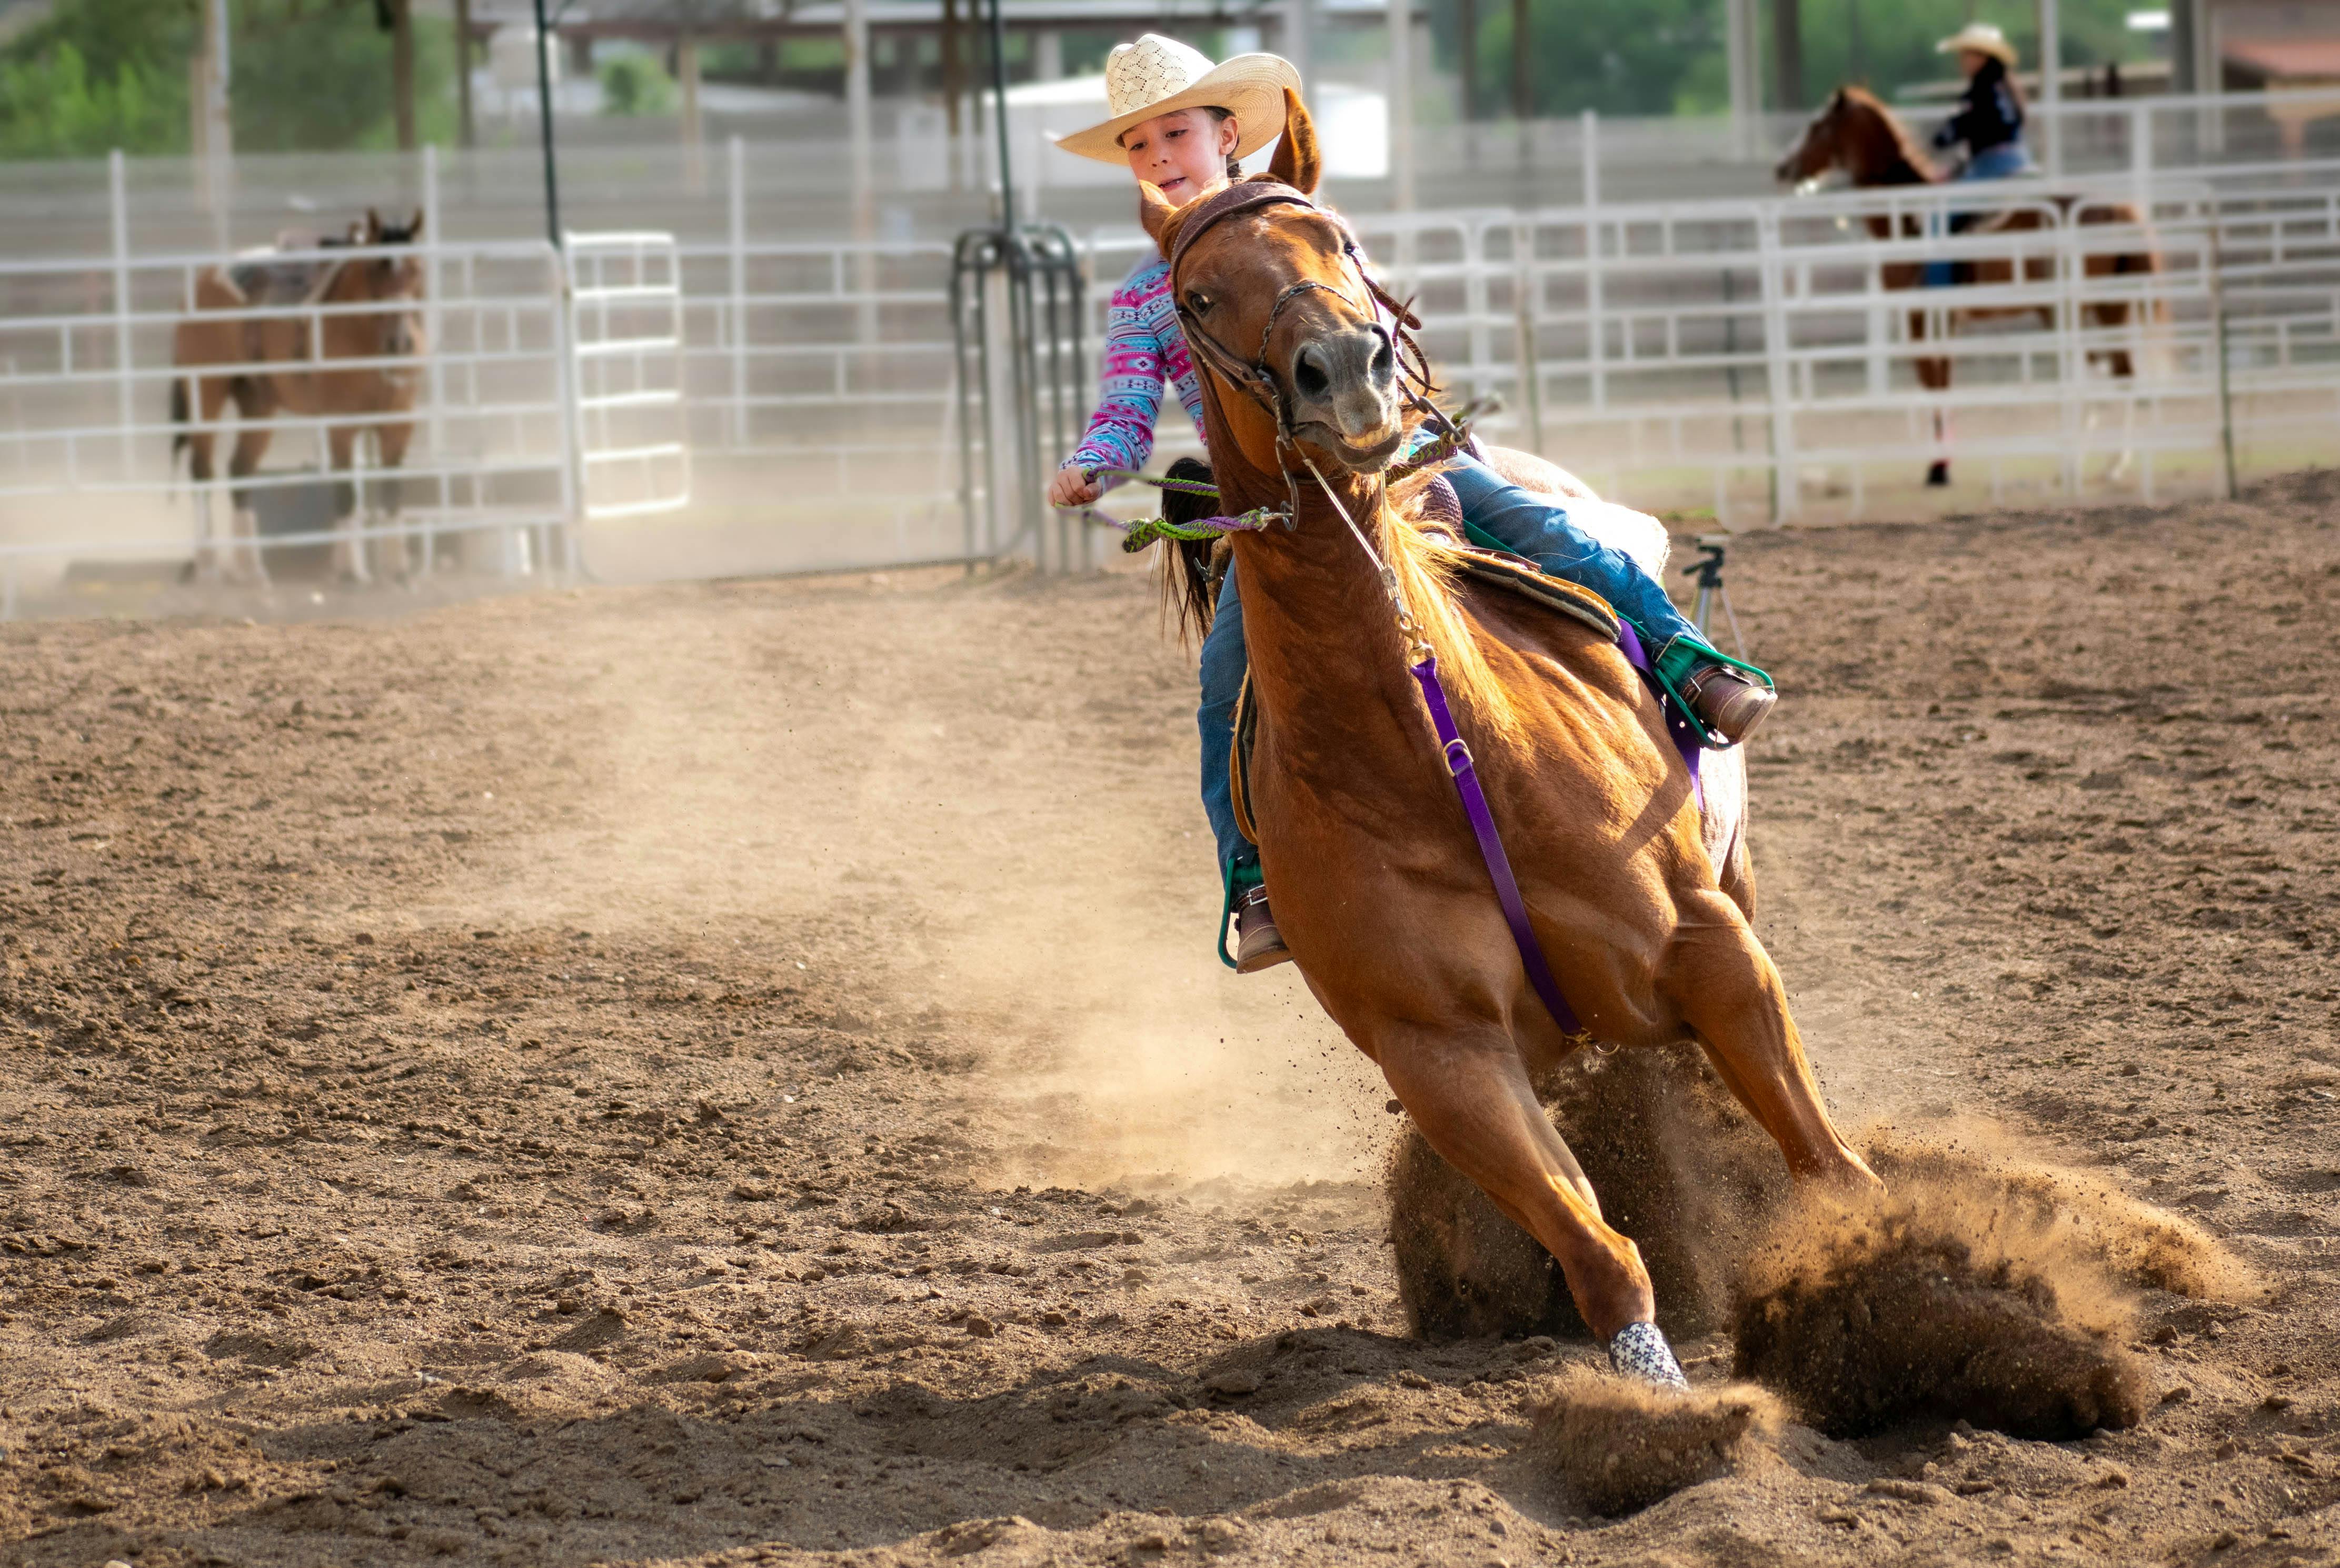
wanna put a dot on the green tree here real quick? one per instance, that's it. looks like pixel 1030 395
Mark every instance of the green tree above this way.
pixel 50 107
pixel 96 75
pixel 1666 56
pixel 308 75
pixel 1888 46
pixel 635 83
pixel 315 77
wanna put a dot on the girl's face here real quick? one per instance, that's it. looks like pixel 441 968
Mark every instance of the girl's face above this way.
pixel 1972 60
pixel 1182 154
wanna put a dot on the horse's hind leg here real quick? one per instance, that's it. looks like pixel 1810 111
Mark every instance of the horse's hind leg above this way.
pixel 2120 365
pixel 251 436
pixel 1472 1099
pixel 1726 989
pixel 202 438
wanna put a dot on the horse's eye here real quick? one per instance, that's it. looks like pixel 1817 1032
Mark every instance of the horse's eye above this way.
pixel 1199 303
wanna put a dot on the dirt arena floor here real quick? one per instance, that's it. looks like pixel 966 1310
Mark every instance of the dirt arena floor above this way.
pixel 734 1073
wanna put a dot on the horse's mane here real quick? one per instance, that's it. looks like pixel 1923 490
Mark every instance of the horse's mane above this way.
pixel 1187 602
pixel 1904 145
pixel 1425 564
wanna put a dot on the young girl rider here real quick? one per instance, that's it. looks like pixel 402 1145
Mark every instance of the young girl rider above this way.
pixel 1182 123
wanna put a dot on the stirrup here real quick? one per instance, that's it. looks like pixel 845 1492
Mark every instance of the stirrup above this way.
pixel 1726 702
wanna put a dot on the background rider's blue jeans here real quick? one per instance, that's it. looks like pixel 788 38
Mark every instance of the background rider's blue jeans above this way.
pixel 1533 528
pixel 2003 161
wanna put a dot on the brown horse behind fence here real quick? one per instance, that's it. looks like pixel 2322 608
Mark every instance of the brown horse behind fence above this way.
pixel 1857 134
pixel 276 362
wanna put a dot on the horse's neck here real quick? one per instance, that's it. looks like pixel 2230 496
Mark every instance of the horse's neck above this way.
pixel 1890 161
pixel 1326 659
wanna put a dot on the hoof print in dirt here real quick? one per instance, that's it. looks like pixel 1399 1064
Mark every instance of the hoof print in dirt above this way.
pixel 1935 1303
pixel 1621 1446
pixel 1676 1166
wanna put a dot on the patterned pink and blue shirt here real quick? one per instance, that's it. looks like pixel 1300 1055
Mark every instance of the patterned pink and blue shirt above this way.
pixel 1144 349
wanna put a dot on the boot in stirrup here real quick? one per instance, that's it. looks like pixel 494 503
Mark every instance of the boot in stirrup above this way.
pixel 1726 702
pixel 1258 944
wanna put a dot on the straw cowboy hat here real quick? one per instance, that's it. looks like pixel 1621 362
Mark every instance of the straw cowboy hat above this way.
pixel 1159 76
pixel 1983 39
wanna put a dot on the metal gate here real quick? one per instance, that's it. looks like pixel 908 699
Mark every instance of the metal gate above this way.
pixel 548 398
pixel 625 365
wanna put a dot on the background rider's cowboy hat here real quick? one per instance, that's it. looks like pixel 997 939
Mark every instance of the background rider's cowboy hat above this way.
pixel 1983 39
pixel 1159 76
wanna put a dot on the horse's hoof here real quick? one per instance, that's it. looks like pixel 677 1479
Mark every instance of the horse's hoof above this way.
pixel 1938 475
pixel 1640 1352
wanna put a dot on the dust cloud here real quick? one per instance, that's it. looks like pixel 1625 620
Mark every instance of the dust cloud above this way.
pixel 1007 841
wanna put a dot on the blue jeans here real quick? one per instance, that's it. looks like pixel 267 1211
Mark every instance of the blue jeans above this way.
pixel 1533 528
pixel 2003 161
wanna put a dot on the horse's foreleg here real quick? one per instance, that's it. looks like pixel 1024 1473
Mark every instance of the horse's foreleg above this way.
pixel 1729 992
pixel 391 442
pixel 1934 375
pixel 349 546
pixel 1469 1093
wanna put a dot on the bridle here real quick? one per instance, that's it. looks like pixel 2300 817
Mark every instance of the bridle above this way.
pixel 1253 377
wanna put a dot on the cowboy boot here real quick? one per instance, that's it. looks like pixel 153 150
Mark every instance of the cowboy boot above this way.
pixel 1726 702
pixel 1258 944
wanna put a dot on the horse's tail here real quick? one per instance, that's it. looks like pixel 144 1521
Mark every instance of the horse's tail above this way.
pixel 181 436
pixel 1186 597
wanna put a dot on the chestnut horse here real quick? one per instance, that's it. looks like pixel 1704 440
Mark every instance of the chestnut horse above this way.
pixel 275 362
pixel 1380 888
pixel 1855 133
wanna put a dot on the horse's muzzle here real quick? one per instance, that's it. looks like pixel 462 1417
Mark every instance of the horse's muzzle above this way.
pixel 1344 380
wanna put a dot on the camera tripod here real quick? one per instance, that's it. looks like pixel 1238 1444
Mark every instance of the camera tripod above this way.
pixel 1708 569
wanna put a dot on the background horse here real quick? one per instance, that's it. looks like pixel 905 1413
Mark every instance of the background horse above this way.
pixel 1857 134
pixel 247 351
pixel 1380 888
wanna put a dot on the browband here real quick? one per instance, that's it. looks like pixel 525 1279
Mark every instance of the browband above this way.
pixel 1237 198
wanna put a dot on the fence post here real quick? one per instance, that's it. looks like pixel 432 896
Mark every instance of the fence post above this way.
pixel 2218 342
pixel 433 318
pixel 739 291
pixel 1778 377
pixel 1595 334
pixel 565 371
pixel 2071 275
pixel 1524 294
pixel 126 395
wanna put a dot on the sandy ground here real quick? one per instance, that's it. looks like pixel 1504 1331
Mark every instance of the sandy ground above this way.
pixel 735 1073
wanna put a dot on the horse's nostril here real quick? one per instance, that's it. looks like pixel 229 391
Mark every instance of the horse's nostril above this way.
pixel 1384 365
pixel 1308 374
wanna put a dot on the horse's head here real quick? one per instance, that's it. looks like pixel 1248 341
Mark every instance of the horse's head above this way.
pixel 393 278
pixel 1822 148
pixel 1277 312
pixel 1856 133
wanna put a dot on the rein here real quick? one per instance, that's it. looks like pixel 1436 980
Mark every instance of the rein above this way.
pixel 1422 665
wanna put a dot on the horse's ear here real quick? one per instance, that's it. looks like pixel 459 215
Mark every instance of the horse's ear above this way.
pixel 372 226
pixel 1154 215
pixel 1296 162
pixel 415 230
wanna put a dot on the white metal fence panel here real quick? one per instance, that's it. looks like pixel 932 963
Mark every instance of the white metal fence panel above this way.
pixel 92 462
pixel 626 358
